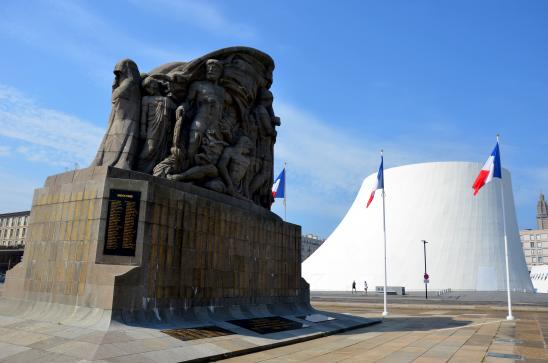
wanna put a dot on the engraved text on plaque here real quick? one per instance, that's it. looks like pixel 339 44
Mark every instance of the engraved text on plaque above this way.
pixel 122 218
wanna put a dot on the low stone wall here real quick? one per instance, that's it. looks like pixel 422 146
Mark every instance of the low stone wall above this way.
pixel 194 247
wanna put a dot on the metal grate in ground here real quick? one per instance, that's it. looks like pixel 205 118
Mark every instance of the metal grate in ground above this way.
pixel 197 333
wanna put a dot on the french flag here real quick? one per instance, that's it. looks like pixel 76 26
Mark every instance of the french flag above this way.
pixel 379 184
pixel 490 170
pixel 278 188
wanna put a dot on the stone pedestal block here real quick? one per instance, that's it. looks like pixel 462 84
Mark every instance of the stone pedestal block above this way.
pixel 193 248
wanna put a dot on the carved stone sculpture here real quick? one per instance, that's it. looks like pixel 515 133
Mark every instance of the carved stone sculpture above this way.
pixel 234 164
pixel 174 163
pixel 120 143
pixel 208 122
pixel 156 125
pixel 266 122
pixel 207 97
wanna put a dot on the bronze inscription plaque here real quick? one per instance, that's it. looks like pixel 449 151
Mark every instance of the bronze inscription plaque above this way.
pixel 122 219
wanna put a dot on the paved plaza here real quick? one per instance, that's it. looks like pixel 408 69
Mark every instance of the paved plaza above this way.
pixel 457 327
pixel 430 332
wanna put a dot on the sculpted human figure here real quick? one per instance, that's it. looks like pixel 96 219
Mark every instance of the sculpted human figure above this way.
pixel 264 116
pixel 208 98
pixel 176 161
pixel 119 144
pixel 234 164
pixel 156 122
pixel 208 121
pixel 205 168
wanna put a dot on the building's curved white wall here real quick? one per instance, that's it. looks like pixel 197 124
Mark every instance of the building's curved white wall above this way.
pixel 434 202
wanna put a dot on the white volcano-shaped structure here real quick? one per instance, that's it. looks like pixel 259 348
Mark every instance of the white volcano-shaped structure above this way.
pixel 432 202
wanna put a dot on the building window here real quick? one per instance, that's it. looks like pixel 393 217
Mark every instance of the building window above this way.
pixel 539 244
pixel 534 260
pixel 540 259
pixel 532 244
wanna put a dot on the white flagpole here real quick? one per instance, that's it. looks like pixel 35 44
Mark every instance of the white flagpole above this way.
pixel 285 192
pixel 510 316
pixel 385 312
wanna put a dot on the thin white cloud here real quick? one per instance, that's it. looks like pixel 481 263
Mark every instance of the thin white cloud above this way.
pixel 201 14
pixel 72 31
pixel 335 160
pixel 46 135
pixel 4 150
pixel 325 164
pixel 530 183
pixel 16 191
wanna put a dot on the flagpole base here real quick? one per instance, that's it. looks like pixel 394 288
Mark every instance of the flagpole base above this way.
pixel 385 313
pixel 509 317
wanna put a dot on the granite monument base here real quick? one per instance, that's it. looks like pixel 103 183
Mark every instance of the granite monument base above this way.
pixel 138 245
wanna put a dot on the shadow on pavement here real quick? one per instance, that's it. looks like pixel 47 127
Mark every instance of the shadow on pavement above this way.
pixel 414 324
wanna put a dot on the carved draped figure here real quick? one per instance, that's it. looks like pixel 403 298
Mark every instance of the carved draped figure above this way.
pixel 221 136
pixel 119 145
pixel 158 111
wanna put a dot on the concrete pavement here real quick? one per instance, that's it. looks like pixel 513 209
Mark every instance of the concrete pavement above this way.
pixel 460 332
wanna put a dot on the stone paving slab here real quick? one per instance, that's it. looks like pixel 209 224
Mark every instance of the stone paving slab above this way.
pixel 409 335
pixel 30 340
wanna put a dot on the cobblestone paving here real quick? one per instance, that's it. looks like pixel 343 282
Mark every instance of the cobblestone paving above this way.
pixel 416 334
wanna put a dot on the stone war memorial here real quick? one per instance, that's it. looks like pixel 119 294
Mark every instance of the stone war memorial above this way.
pixel 168 235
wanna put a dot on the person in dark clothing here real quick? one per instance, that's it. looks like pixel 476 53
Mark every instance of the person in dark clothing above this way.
pixel 354 287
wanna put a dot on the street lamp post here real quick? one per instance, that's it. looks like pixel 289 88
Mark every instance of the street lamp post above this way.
pixel 425 273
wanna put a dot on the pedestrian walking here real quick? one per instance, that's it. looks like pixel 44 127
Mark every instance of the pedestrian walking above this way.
pixel 354 287
pixel 365 286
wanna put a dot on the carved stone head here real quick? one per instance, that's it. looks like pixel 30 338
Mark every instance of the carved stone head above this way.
pixel 126 68
pixel 152 86
pixel 245 145
pixel 214 69
pixel 265 97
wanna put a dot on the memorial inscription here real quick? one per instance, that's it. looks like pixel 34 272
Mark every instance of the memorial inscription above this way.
pixel 122 219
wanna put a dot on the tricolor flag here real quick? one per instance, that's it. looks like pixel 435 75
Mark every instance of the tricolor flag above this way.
pixel 278 188
pixel 379 184
pixel 490 170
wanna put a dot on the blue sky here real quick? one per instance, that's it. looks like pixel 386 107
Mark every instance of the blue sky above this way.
pixel 425 80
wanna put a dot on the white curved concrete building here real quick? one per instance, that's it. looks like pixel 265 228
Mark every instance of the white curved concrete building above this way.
pixel 432 202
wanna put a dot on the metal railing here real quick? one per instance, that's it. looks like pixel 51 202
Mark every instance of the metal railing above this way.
pixel 443 292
